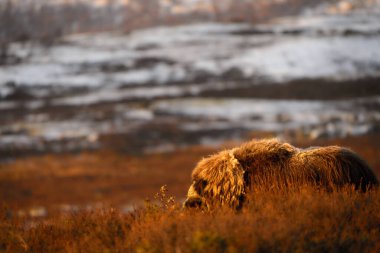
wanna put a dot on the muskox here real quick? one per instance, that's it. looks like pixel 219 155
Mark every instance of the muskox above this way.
pixel 226 177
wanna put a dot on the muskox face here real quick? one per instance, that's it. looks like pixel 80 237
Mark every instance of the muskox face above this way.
pixel 218 179
pixel 194 198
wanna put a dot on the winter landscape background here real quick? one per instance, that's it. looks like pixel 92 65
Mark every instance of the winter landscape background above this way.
pixel 312 75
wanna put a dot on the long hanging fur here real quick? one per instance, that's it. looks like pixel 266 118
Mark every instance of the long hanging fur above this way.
pixel 226 177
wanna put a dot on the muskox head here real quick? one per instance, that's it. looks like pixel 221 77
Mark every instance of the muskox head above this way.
pixel 218 179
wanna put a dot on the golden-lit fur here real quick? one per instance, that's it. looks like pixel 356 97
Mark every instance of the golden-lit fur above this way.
pixel 225 177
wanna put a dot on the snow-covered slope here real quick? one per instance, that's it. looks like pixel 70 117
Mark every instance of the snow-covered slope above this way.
pixel 95 84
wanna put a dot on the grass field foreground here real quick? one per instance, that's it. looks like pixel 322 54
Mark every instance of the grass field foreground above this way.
pixel 304 220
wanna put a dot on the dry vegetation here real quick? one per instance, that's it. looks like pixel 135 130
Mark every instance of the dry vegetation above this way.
pixel 277 221
pixel 88 178
pixel 302 221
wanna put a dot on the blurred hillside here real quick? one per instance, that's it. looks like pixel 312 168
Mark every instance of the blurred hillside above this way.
pixel 160 88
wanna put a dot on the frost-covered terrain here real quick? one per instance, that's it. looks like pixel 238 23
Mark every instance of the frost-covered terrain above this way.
pixel 172 86
pixel 331 47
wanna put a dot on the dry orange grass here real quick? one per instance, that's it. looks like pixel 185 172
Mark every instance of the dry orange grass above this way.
pixel 100 177
pixel 297 221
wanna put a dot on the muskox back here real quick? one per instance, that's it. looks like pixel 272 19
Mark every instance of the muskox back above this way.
pixel 276 165
pixel 333 167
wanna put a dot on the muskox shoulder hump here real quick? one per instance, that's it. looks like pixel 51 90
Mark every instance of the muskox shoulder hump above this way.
pixel 266 149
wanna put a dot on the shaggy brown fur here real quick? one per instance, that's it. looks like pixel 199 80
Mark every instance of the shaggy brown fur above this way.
pixel 225 177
